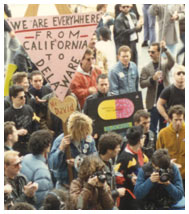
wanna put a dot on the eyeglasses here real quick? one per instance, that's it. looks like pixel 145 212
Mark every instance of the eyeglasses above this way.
pixel 125 7
pixel 22 97
pixel 180 72
pixel 153 52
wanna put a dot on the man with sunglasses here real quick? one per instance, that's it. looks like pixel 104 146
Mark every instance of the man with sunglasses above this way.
pixel 174 94
pixel 155 77
pixel 22 191
pixel 20 78
pixel 22 115
pixel 126 28
pixel 84 82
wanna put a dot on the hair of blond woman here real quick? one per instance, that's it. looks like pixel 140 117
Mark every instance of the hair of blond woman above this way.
pixel 79 126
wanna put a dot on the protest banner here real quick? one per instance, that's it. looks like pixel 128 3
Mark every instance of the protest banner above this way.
pixel 56 44
pixel 114 113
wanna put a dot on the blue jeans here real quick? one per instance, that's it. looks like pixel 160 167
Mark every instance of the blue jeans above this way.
pixel 155 118
pixel 182 50
pixel 173 49
pixel 149 26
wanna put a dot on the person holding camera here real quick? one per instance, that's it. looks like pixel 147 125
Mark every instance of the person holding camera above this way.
pixel 90 190
pixel 159 183
pixel 108 148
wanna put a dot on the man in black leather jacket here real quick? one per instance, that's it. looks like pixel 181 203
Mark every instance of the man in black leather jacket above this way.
pixel 126 28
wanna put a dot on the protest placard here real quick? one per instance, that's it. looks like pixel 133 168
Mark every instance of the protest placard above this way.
pixel 56 44
pixel 114 113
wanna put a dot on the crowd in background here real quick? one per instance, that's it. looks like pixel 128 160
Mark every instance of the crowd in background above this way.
pixel 47 167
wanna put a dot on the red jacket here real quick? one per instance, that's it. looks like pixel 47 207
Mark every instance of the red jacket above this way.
pixel 81 83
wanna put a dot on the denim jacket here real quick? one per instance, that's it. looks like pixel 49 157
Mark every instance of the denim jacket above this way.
pixel 57 158
pixel 123 80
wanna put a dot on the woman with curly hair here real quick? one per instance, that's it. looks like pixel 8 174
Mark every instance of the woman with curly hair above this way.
pixel 90 190
pixel 34 165
pixel 80 142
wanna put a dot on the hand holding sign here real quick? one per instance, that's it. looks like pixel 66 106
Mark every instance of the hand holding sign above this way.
pixel 63 110
pixel 65 143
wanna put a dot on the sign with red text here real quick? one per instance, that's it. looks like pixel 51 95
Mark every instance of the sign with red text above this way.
pixel 56 44
pixel 62 109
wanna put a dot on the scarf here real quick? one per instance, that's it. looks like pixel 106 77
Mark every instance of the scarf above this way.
pixel 138 153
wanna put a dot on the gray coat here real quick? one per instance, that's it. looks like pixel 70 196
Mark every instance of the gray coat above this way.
pixel 146 79
pixel 168 29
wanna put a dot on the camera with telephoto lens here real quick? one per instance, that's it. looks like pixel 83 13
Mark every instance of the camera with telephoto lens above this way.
pixel 100 175
pixel 163 174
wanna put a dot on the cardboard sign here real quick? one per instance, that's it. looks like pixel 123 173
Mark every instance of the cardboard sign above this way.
pixel 56 44
pixel 62 109
pixel 114 113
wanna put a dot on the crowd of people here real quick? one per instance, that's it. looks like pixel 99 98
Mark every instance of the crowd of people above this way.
pixel 54 165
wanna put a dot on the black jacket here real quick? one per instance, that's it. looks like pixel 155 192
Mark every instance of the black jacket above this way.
pixel 17 189
pixel 23 61
pixel 122 30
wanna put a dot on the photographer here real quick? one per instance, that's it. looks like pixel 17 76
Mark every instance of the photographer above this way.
pixel 108 148
pixel 90 190
pixel 159 183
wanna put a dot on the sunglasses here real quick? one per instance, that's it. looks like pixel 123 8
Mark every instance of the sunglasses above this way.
pixel 90 59
pixel 17 164
pixel 180 72
pixel 125 7
pixel 22 97
pixel 153 52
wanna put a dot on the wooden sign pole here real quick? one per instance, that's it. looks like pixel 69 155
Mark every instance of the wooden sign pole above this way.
pixel 32 9
pixel 63 110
